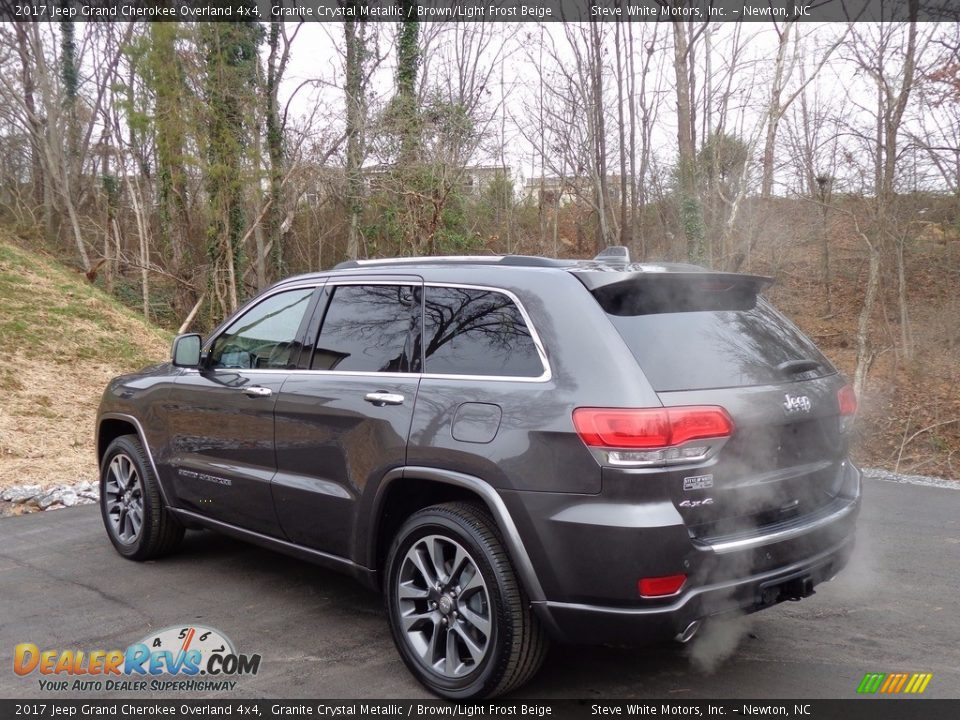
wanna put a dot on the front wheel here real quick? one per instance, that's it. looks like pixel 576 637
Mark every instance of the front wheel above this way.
pixel 459 617
pixel 138 524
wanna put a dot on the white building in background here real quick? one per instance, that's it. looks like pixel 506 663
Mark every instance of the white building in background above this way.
pixel 554 189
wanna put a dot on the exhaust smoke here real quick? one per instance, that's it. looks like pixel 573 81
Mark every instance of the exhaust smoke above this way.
pixel 718 639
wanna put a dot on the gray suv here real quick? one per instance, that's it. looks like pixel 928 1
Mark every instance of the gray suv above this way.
pixel 513 449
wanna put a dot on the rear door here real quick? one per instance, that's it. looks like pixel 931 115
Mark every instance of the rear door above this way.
pixel 221 416
pixel 344 420
pixel 704 339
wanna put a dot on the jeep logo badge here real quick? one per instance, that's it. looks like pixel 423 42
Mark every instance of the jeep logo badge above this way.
pixel 796 404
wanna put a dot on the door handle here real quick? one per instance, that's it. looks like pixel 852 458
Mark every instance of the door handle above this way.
pixel 381 398
pixel 257 391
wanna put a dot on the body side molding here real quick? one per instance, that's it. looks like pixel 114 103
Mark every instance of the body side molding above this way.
pixel 317 557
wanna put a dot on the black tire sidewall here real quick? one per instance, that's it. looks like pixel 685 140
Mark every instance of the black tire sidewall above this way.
pixel 129 446
pixel 480 681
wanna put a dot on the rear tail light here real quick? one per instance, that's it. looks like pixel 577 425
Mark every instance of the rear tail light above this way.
pixel 653 436
pixel 660 586
pixel 847 399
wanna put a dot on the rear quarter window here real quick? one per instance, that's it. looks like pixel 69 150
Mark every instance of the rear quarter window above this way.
pixel 474 331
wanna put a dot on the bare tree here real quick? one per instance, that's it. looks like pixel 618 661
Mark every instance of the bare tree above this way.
pixel 888 55
pixel 789 57
pixel 356 101
pixel 691 212
pixel 48 118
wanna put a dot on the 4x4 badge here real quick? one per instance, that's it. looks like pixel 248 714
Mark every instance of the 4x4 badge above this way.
pixel 796 403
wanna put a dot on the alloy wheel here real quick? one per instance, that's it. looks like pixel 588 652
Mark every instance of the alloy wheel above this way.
pixel 444 606
pixel 123 497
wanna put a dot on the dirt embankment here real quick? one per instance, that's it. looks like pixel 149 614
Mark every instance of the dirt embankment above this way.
pixel 62 340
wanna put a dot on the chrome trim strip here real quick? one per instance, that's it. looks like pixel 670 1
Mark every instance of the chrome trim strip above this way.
pixel 361 373
pixel 272 542
pixel 376 280
pixel 428 259
pixel 143 441
pixel 300 371
pixel 721 548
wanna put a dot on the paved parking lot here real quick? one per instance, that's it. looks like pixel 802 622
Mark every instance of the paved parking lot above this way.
pixel 896 608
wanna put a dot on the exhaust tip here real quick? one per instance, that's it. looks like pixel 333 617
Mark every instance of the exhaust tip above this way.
pixel 686 635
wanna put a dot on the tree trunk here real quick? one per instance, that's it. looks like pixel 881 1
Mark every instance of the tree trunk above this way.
pixel 408 64
pixel 136 202
pixel 37 180
pixel 864 352
pixel 276 66
pixel 774 113
pixel 356 120
pixel 824 195
pixel 906 340
pixel 599 135
pixel 691 213
pixel 632 113
pixel 165 76
pixel 625 239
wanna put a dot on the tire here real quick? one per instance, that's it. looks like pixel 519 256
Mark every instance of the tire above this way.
pixel 137 522
pixel 498 643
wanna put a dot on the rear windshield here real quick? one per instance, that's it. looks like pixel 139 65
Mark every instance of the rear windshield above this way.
pixel 707 334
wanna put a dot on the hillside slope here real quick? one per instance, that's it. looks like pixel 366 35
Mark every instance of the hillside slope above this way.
pixel 62 340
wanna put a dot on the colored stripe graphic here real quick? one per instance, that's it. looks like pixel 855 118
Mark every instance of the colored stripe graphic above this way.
pixel 871 682
pixel 894 683
pixel 889 683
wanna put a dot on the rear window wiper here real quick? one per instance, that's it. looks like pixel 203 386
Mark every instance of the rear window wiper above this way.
pixel 795 367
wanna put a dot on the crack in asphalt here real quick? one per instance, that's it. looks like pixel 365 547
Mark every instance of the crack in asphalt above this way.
pixel 95 590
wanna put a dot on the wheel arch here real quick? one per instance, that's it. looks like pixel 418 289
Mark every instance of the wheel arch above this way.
pixel 110 426
pixel 429 486
pixel 109 429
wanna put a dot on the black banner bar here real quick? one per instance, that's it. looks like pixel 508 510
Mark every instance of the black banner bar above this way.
pixel 476 10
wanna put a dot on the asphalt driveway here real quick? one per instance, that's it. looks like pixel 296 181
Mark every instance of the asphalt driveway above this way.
pixel 896 608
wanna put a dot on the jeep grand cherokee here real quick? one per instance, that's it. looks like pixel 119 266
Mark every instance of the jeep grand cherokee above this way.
pixel 513 449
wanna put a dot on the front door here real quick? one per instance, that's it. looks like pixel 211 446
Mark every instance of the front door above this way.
pixel 345 421
pixel 221 416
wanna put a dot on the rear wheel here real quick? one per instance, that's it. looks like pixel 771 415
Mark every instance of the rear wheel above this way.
pixel 138 524
pixel 459 617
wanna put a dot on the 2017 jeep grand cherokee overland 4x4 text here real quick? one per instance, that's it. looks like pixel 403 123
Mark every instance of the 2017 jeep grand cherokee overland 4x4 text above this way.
pixel 512 449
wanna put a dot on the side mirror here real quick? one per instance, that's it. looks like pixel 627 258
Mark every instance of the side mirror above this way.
pixel 186 350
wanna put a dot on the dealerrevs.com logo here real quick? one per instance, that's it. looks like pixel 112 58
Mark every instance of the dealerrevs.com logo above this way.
pixel 178 658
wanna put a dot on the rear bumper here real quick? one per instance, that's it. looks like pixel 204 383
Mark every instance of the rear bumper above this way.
pixel 596 624
pixel 589 554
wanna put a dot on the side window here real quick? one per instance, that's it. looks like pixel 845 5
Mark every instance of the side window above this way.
pixel 264 337
pixel 370 328
pixel 477 332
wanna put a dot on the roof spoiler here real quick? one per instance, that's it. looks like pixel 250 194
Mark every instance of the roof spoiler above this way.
pixel 717 280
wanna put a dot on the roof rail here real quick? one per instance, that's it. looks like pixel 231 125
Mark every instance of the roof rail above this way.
pixel 510 260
